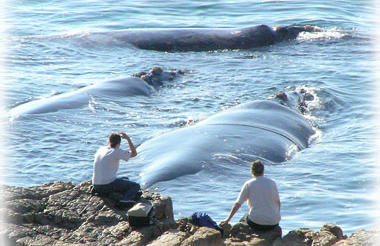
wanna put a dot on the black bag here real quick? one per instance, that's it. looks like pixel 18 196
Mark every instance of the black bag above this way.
pixel 140 215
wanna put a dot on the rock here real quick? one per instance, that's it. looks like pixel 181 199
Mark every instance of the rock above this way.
pixel 242 233
pixel 328 235
pixel 362 238
pixel 64 214
pixel 35 193
pixel 172 237
pixel 334 229
pixel 226 230
pixel 299 237
pixel 185 225
pixel 204 236
pixel 324 238
pixel 144 235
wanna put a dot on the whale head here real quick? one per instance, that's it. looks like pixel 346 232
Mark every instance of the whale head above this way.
pixel 157 75
pixel 288 32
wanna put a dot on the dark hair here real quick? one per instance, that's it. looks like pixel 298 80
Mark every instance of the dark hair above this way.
pixel 257 168
pixel 114 139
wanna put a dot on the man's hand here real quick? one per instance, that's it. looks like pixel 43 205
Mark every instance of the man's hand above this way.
pixel 131 146
pixel 224 222
pixel 234 209
pixel 123 135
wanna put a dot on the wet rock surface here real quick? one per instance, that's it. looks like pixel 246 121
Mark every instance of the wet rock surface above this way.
pixel 66 214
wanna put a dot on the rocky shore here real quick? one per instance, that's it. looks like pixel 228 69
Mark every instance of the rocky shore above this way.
pixel 66 214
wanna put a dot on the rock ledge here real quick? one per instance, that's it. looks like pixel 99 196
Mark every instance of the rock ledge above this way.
pixel 66 214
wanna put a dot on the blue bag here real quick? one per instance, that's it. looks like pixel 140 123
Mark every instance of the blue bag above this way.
pixel 203 219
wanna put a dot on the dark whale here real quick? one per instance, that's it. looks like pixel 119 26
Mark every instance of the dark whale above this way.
pixel 201 39
pixel 261 129
pixel 139 84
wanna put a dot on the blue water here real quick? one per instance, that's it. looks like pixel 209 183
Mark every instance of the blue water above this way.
pixel 51 50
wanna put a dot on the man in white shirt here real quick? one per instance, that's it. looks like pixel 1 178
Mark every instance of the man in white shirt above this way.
pixel 263 200
pixel 106 164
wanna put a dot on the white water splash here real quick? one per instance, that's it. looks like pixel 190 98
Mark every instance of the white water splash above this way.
pixel 329 34
pixel 314 104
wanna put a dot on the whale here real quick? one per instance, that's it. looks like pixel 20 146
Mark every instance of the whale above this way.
pixel 139 84
pixel 206 39
pixel 263 129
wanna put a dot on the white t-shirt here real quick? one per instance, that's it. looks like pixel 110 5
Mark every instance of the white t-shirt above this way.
pixel 106 164
pixel 262 196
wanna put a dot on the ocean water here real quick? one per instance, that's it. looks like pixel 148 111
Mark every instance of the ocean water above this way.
pixel 52 49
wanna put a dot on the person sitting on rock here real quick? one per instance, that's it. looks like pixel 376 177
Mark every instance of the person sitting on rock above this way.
pixel 263 201
pixel 106 164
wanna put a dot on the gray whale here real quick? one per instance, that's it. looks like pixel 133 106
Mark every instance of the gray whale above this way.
pixel 263 129
pixel 204 39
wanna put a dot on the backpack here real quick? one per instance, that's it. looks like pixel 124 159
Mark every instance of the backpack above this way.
pixel 203 219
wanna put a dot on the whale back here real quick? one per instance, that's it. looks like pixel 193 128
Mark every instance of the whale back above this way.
pixel 198 39
pixel 74 99
pixel 270 116
pixel 260 130
pixel 121 87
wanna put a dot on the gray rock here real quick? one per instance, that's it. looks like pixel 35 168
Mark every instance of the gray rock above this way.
pixel 204 236
pixel 64 214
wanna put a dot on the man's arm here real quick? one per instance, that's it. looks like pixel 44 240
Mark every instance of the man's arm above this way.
pixel 131 146
pixel 232 213
pixel 243 196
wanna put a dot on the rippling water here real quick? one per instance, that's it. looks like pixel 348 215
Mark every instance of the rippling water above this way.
pixel 52 50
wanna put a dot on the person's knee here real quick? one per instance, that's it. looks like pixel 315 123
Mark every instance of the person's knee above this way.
pixel 131 186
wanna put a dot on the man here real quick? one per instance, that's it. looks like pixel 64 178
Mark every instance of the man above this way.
pixel 106 164
pixel 263 200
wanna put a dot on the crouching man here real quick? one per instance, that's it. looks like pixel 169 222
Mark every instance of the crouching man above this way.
pixel 106 164
pixel 263 200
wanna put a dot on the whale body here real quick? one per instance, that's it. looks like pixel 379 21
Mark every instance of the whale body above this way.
pixel 207 39
pixel 140 84
pixel 263 130
pixel 80 97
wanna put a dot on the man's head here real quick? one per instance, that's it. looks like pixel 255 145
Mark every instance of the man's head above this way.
pixel 257 168
pixel 114 140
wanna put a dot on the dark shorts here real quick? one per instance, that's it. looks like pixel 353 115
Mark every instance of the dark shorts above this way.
pixel 258 227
